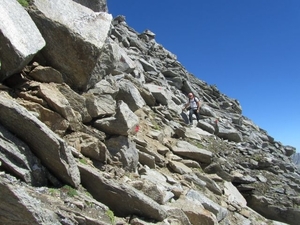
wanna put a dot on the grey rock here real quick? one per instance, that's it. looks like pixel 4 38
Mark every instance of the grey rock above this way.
pixel 123 123
pixel 123 148
pixel 95 5
pixel 19 160
pixel 109 192
pixel 20 39
pixel 51 150
pixel 208 204
pixel 46 74
pixel 19 207
pixel 71 39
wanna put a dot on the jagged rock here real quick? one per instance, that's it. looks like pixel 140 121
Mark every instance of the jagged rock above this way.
pixel 71 39
pixel 264 206
pixel 239 178
pixel 18 159
pixel 190 151
pixel 206 126
pixel 88 145
pixel 19 207
pixel 95 5
pixel 159 159
pixel 112 62
pixel 194 179
pixel 179 167
pixel 123 148
pixel 76 101
pixel 230 134
pixel 100 106
pixel 130 201
pixel 146 159
pixel 208 204
pixel 215 168
pixel 234 196
pixel 46 74
pixel 210 184
pixel 107 86
pixel 51 150
pixel 53 120
pixel 59 103
pixel 178 214
pixel 196 133
pixel 130 95
pixel 161 94
pixel 157 192
pixel 20 39
pixel 195 212
pixel 124 122
pixel 290 150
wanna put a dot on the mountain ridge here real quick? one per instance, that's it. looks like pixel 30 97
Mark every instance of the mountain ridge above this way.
pixel 95 134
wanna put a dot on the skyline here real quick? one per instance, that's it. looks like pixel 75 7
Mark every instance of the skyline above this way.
pixel 250 50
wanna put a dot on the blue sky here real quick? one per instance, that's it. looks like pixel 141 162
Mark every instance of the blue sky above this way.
pixel 249 49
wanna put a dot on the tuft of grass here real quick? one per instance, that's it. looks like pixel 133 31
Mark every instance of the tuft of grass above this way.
pixel 111 216
pixel 53 191
pixel 24 3
pixel 83 161
pixel 70 191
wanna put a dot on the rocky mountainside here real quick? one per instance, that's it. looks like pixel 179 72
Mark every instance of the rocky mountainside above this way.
pixel 296 159
pixel 92 130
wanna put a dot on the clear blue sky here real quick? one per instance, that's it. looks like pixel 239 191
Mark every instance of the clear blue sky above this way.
pixel 250 49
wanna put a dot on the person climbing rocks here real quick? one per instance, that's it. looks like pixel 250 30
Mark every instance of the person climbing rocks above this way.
pixel 194 107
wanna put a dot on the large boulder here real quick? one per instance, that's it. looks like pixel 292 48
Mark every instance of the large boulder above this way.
pixel 131 95
pixel 19 160
pixel 20 39
pixel 124 122
pixel 44 143
pixel 19 207
pixel 123 199
pixel 124 149
pixel 190 151
pixel 75 36
pixel 113 60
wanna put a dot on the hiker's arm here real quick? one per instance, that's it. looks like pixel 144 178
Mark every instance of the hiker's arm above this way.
pixel 185 106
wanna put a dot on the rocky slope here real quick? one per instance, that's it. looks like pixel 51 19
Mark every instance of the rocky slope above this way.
pixel 296 159
pixel 92 130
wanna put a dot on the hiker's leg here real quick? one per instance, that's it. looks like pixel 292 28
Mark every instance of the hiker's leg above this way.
pixel 191 115
pixel 197 115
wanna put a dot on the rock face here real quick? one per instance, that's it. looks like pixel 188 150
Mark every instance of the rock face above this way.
pixel 92 132
pixel 74 34
pixel 20 39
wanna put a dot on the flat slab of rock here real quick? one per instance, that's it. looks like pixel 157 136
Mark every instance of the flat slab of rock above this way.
pixel 123 199
pixel 43 142
pixel 190 151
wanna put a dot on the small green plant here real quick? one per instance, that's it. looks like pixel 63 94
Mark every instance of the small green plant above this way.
pixel 258 157
pixel 111 216
pixel 24 3
pixel 52 191
pixel 83 161
pixel 70 191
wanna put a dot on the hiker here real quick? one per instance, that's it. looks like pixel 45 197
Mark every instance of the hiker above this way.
pixel 194 106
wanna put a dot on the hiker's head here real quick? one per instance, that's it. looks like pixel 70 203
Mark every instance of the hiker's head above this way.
pixel 190 95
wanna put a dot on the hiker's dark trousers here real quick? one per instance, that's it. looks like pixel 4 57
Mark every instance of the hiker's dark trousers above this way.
pixel 193 111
